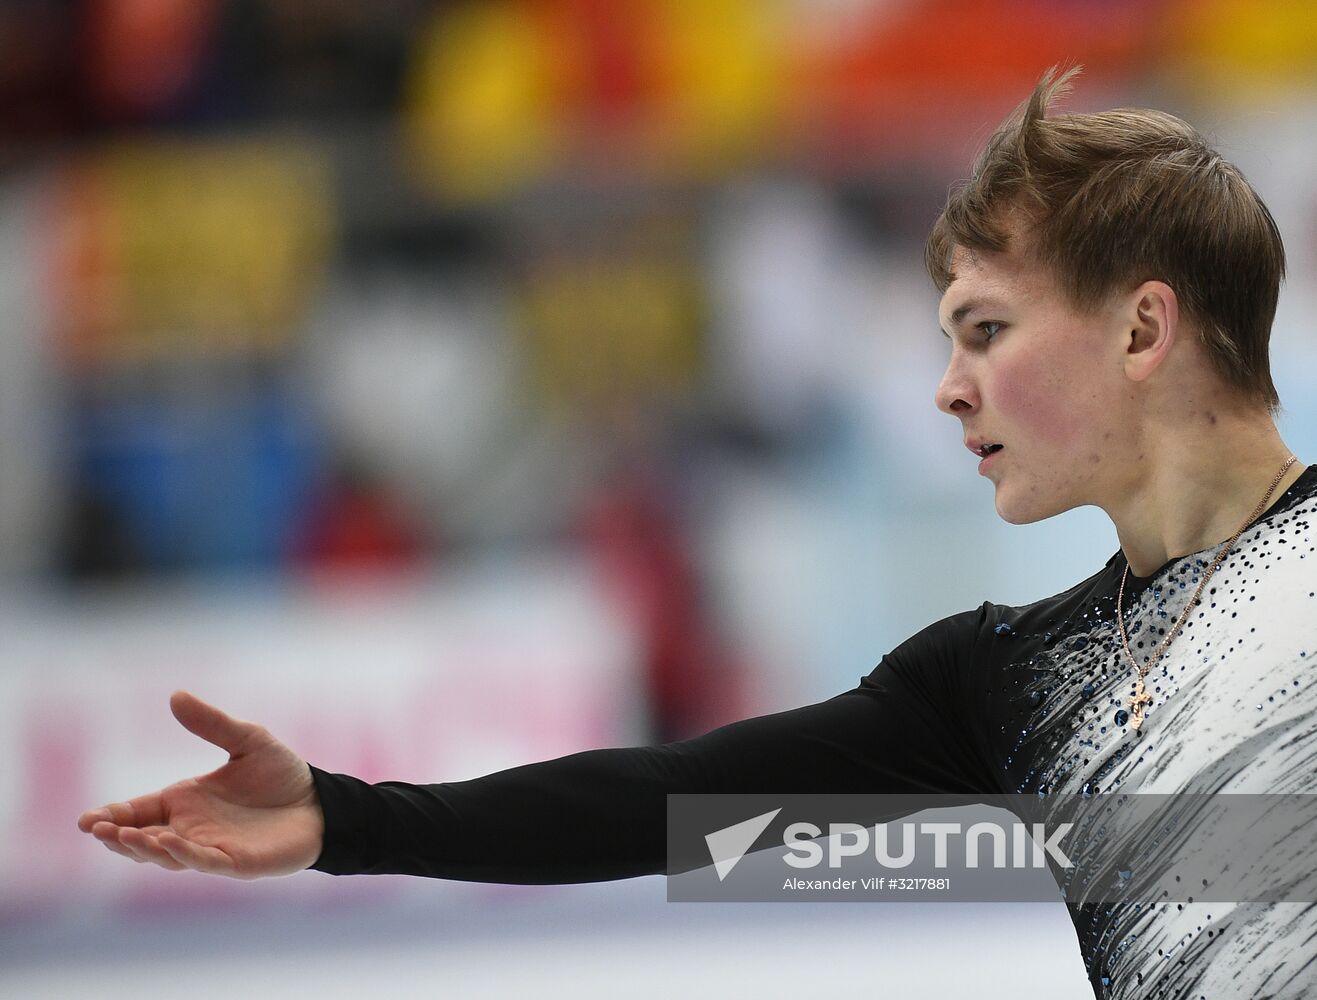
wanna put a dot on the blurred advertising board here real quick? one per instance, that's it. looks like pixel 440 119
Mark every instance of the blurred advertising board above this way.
pixel 417 680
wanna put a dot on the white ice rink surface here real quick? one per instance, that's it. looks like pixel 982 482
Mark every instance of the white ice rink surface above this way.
pixel 619 940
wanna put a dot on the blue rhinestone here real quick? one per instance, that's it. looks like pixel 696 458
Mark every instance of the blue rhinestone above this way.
pixel 1125 874
pixel 1088 789
pixel 1080 642
pixel 1122 717
pixel 1035 698
pixel 1087 690
pixel 1004 629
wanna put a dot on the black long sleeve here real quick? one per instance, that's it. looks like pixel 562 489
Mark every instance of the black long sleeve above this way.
pixel 601 814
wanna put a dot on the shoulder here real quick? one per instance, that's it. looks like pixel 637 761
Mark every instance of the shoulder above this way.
pixel 963 631
pixel 1052 616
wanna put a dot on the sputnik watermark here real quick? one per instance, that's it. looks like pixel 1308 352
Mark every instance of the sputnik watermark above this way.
pixel 851 840
pixel 909 855
pixel 1082 849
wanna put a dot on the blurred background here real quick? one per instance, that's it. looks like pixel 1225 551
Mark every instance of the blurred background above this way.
pixel 450 385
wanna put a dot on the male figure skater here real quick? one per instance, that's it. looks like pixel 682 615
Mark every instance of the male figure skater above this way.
pixel 1109 284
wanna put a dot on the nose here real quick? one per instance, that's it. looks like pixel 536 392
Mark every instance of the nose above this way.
pixel 956 393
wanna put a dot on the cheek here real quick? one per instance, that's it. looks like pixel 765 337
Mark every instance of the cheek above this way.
pixel 1049 405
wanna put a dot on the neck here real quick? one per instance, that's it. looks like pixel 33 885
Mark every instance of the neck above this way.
pixel 1191 491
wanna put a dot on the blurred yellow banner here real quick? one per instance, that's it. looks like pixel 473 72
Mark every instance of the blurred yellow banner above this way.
pixel 1236 49
pixel 500 93
pixel 183 248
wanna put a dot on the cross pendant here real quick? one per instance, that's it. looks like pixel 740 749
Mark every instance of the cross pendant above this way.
pixel 1140 698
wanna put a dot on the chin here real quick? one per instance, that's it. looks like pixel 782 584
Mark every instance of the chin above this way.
pixel 1013 511
pixel 1012 517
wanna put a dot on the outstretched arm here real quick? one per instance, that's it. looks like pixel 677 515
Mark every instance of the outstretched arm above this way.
pixel 601 814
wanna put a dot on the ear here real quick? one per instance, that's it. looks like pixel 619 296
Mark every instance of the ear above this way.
pixel 1152 322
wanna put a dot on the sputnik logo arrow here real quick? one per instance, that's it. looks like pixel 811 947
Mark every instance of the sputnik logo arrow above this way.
pixel 728 845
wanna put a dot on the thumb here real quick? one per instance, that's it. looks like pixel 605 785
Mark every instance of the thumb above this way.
pixel 208 722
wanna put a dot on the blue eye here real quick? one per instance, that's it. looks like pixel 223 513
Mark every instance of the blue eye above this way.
pixel 989 334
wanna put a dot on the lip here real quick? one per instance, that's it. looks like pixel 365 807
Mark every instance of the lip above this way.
pixel 983 465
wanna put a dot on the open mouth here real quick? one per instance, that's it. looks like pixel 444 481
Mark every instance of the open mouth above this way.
pixel 989 449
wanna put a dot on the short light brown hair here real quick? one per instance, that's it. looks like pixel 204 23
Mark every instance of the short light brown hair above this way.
pixel 1113 199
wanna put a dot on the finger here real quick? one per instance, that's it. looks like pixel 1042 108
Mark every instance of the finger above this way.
pixel 145 810
pixel 196 856
pixel 208 722
pixel 108 835
pixel 91 817
pixel 146 847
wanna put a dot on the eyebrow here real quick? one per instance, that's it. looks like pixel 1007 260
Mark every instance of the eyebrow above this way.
pixel 965 310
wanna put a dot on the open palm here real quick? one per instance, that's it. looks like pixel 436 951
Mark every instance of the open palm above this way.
pixel 254 816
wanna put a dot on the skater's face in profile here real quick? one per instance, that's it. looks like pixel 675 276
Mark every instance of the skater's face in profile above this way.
pixel 1031 372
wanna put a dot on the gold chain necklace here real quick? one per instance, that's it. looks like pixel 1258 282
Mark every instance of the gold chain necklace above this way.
pixel 1141 696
